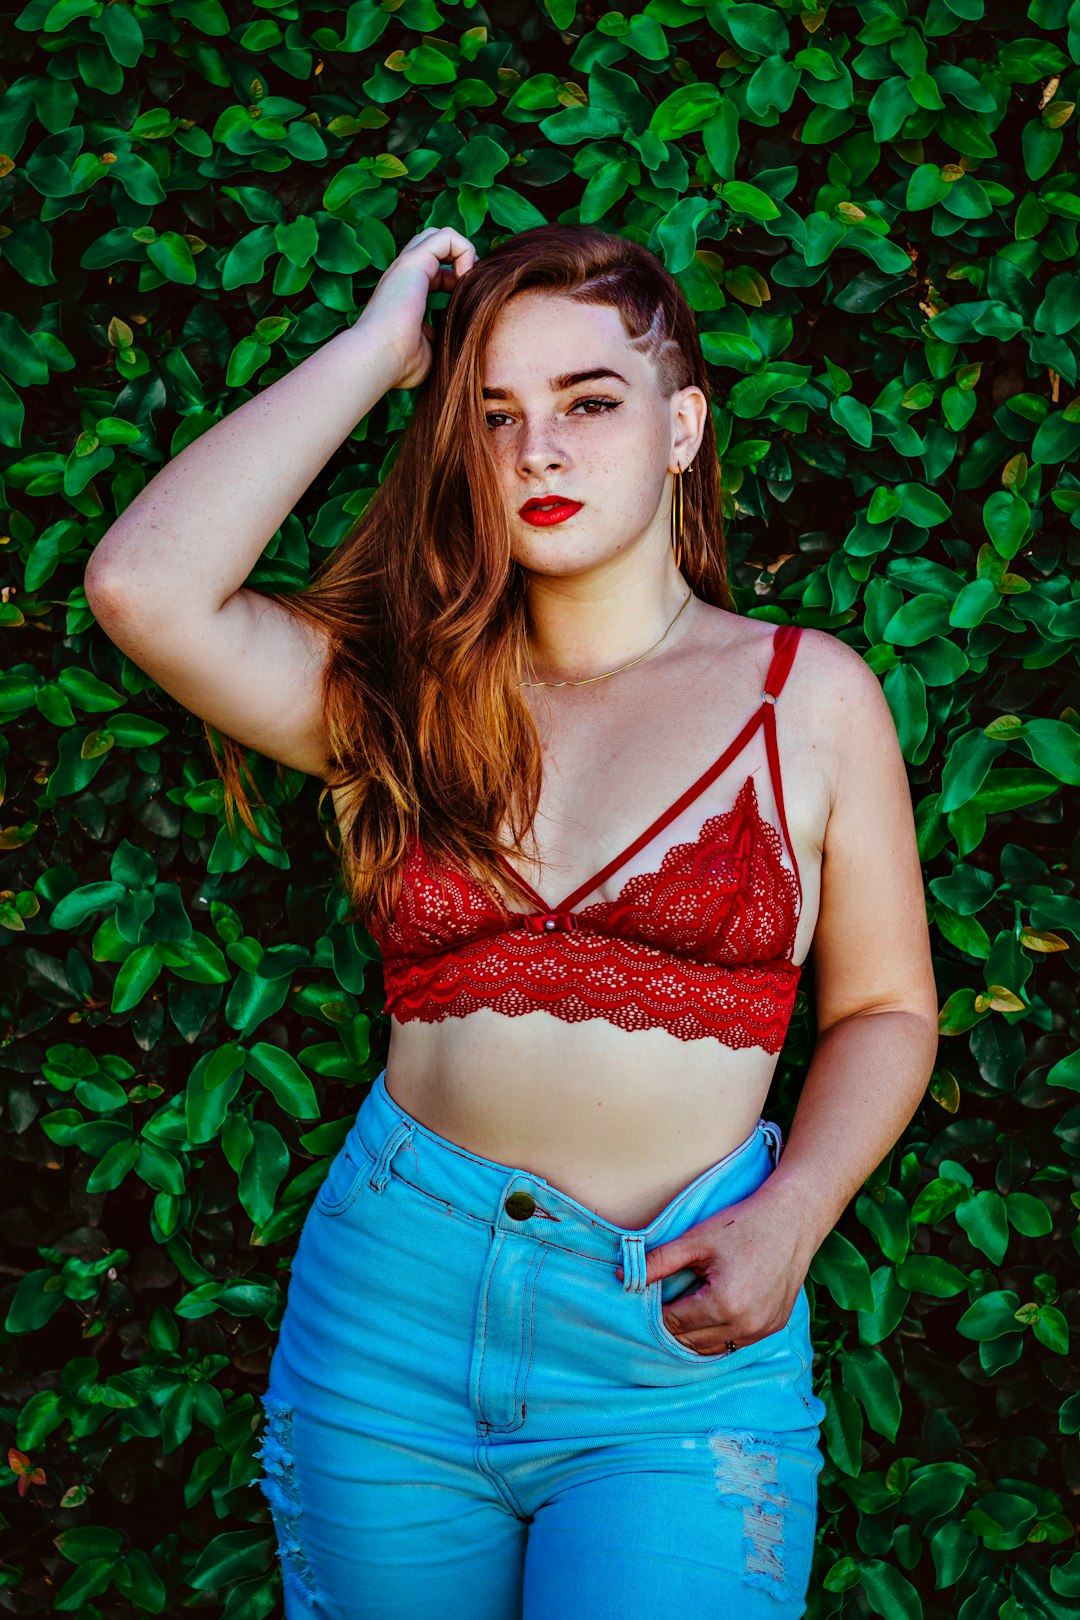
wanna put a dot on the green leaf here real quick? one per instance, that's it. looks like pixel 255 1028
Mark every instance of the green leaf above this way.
pixel 74 909
pixel 731 349
pixel 984 1220
pixel 31 1307
pixel 171 254
pixel 922 506
pixel 86 1541
pixel 686 110
pixel 201 961
pixel 773 86
pixel 86 691
pixel 884 505
pixel 751 395
pixel 1008 789
pixel 248 357
pixel 990 1316
pixel 137 973
pixel 744 198
pixel 867 1374
pixel 1007 520
pixel 111 1170
pixel 140 1582
pixel 758 29
pixel 888 1592
pixel 958 407
pixel 1055 745
pixel 720 137
pixel 839 1267
pixel 918 620
pixel 265 1168
pixel 231 1556
pixel 823 235
pixel 1057 439
pixel 222 1064
pixel 1066 1072
pixel 905 693
pixel 975 602
pixel 88 1581
pixel 842 1428
pixel 135 731
pixel 890 106
pixel 966 768
pixel 1051 1328
pixel 926 186
pixel 1028 1214
pixel 205 1106
pixel 852 415
pixel 282 1076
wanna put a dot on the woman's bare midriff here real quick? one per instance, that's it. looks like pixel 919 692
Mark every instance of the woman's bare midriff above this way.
pixel 620 1119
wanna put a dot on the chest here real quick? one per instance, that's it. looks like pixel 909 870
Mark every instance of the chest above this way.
pixel 623 793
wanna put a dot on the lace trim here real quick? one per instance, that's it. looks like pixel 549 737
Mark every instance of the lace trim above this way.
pixel 587 976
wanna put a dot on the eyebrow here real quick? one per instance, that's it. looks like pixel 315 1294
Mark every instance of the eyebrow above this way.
pixel 566 379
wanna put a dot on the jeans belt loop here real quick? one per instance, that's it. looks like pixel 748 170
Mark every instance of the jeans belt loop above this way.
pixel 380 1170
pixel 633 1262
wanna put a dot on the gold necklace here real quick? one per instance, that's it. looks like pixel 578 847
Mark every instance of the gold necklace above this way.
pixel 621 667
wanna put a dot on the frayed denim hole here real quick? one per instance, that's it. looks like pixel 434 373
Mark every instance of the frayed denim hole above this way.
pixel 746 1478
pixel 278 1484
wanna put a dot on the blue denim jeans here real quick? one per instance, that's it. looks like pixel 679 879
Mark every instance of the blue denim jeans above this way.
pixel 470 1415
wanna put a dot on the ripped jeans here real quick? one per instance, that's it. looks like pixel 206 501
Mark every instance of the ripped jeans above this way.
pixel 469 1415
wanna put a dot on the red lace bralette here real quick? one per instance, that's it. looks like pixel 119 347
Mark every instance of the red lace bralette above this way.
pixel 700 947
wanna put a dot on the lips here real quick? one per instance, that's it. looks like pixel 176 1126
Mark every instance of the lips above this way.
pixel 549 509
pixel 547 500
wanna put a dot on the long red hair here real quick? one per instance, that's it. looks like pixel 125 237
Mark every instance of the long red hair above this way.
pixel 423 608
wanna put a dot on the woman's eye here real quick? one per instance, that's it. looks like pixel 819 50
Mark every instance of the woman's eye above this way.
pixel 608 404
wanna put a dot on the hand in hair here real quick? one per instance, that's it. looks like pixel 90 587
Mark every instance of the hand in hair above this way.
pixel 397 305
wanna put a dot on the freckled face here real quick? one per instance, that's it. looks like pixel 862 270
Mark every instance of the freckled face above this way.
pixel 603 441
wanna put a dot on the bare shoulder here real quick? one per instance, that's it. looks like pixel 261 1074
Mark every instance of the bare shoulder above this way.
pixel 824 657
pixel 844 705
pixel 871 944
pixel 824 675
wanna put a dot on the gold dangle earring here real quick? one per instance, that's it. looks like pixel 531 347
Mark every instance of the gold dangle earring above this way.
pixel 677 514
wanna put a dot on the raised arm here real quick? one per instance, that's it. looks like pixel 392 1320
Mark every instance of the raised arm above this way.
pixel 166 579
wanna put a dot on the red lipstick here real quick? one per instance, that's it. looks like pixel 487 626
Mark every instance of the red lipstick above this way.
pixel 542 510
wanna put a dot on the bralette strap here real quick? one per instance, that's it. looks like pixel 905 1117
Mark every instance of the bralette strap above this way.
pixel 785 642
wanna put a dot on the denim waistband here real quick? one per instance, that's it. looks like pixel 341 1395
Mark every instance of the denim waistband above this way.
pixel 511 1199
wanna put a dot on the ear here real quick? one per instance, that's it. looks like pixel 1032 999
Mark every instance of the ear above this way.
pixel 691 422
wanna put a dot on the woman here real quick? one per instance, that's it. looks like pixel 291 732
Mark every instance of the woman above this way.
pixel 546 1350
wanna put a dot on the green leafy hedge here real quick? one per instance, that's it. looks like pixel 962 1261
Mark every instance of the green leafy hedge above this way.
pixel 873 209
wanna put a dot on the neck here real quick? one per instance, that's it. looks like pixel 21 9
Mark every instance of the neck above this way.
pixel 588 625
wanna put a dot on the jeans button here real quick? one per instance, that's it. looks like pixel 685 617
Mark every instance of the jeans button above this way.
pixel 520 1205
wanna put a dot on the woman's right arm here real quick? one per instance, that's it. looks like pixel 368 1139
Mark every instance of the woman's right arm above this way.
pixel 165 581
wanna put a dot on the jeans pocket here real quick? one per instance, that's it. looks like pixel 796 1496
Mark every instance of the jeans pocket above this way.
pixel 343 1180
pixel 654 1310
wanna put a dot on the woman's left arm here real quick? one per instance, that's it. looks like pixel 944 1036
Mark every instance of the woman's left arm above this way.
pixel 876 1000
pixel 876 1005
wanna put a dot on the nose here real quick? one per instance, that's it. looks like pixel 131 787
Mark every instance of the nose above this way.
pixel 537 450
